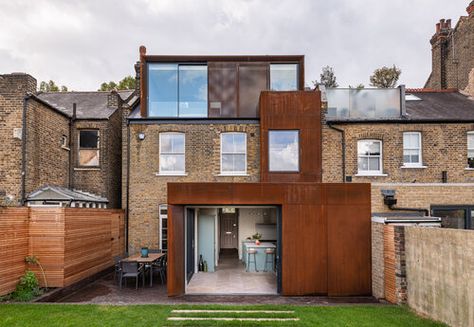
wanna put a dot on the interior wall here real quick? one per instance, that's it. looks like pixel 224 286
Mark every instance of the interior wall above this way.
pixel 248 217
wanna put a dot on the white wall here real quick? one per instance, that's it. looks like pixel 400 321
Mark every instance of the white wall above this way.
pixel 248 217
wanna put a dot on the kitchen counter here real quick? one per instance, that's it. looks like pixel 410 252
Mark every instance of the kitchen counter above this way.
pixel 260 255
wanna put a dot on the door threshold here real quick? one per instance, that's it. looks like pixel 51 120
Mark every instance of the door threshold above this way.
pixel 234 294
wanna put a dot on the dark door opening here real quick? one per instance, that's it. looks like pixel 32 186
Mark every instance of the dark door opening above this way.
pixel 190 243
pixel 229 230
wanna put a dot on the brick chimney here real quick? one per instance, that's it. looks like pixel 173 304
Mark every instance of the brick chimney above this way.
pixel 113 99
pixel 143 104
pixel 438 54
pixel 470 8
pixel 470 85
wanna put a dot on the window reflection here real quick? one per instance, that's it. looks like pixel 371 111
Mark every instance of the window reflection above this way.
pixel 177 90
pixel 284 77
pixel 283 150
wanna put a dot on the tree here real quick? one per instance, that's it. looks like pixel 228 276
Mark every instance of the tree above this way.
pixel 328 77
pixel 358 86
pixel 385 77
pixel 52 87
pixel 126 83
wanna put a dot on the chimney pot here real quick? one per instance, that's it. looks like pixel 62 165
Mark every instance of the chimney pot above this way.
pixel 438 28
pixel 142 50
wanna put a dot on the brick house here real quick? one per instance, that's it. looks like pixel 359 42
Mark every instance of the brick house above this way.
pixel 452 53
pixel 423 151
pixel 47 142
pixel 221 149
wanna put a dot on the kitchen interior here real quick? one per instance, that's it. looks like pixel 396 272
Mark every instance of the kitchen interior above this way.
pixel 235 251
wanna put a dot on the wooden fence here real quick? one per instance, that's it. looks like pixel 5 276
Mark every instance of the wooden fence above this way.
pixel 70 243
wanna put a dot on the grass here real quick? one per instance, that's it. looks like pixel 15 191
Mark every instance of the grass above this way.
pixel 156 315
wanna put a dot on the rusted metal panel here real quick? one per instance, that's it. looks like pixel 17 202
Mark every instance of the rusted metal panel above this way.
pixel 297 110
pixel 175 270
pixel 325 232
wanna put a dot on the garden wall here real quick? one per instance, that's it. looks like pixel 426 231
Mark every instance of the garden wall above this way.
pixel 70 243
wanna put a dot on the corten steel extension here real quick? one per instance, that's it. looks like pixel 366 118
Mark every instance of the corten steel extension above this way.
pixel 326 247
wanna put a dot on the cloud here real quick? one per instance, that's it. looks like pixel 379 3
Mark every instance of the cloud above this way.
pixel 83 43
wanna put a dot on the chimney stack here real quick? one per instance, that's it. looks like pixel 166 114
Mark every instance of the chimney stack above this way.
pixel 470 8
pixel 443 28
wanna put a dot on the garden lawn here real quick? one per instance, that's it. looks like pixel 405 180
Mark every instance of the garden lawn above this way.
pixel 156 315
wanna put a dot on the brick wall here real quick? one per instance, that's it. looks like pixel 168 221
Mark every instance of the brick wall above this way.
pixel 104 180
pixel 47 161
pixel 13 88
pixel 147 190
pixel 452 55
pixel 378 289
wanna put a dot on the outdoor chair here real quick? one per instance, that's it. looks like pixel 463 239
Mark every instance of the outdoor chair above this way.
pixel 117 266
pixel 160 267
pixel 131 269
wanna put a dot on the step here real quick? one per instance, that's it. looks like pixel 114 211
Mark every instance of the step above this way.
pixel 229 319
pixel 233 311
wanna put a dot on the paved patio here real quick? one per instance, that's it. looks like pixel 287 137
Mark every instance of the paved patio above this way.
pixel 105 291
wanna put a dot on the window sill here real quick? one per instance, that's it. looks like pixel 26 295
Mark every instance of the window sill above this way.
pixel 371 175
pixel 231 175
pixel 413 167
pixel 87 168
pixel 65 148
pixel 468 168
pixel 171 174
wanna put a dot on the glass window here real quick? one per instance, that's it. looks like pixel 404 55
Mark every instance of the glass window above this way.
pixel 192 91
pixel 284 77
pixel 89 148
pixel 412 149
pixel 369 157
pixel 172 159
pixel 470 149
pixel 162 90
pixel 283 151
pixel 451 218
pixel 177 90
pixel 233 153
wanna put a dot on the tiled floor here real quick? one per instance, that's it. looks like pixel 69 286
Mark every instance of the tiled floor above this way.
pixel 231 278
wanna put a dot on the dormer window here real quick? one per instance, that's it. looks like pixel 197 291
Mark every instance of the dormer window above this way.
pixel 177 90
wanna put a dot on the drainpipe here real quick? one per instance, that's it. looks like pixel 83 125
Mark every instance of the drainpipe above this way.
pixel 23 152
pixel 343 149
pixel 128 185
pixel 425 211
pixel 71 146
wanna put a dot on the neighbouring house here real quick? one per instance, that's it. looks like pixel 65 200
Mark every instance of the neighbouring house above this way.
pixel 224 149
pixel 452 53
pixel 415 147
pixel 66 140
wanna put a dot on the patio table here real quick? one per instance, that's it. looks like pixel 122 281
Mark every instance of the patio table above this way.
pixel 152 257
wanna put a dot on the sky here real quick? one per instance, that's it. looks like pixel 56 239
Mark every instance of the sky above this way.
pixel 83 43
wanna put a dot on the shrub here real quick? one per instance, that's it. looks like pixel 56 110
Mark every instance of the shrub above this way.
pixel 27 288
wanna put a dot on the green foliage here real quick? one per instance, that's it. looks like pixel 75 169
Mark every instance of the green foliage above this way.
pixel 34 260
pixel 127 83
pixel 328 77
pixel 52 87
pixel 27 288
pixel 359 86
pixel 385 77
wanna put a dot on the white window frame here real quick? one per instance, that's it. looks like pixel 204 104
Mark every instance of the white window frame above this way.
pixel 234 173
pixel 162 217
pixel 177 172
pixel 469 148
pixel 79 149
pixel 420 152
pixel 370 172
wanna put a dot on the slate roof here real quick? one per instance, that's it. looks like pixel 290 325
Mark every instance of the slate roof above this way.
pixel 89 105
pixel 440 106
pixel 58 193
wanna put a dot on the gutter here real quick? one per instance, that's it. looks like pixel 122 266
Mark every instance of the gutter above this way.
pixel 343 149
pixel 400 121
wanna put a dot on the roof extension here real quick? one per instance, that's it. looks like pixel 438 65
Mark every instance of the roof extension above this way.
pixel 58 193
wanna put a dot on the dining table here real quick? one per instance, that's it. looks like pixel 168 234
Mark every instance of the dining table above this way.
pixel 148 260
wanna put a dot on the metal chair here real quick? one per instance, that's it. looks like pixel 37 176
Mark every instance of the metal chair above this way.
pixel 269 254
pixel 160 267
pixel 131 269
pixel 254 253
pixel 117 266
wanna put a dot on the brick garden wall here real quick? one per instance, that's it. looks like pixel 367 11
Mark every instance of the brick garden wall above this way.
pixel 147 190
